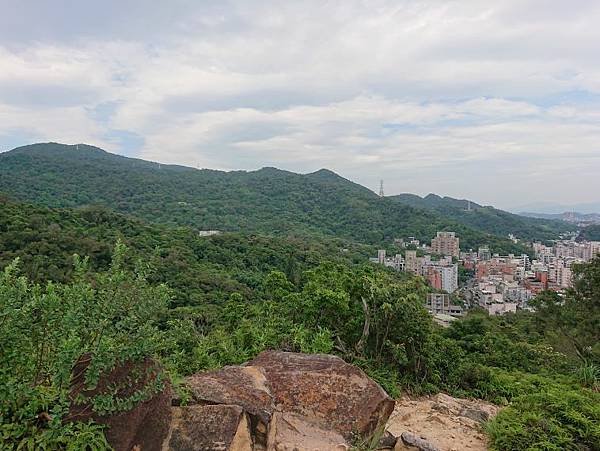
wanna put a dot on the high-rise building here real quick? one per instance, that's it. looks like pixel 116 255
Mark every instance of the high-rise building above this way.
pixel 449 278
pixel 411 262
pixel 446 243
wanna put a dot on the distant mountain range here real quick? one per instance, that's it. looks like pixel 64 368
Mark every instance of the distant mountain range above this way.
pixel 487 218
pixel 549 208
pixel 268 201
pixel 569 216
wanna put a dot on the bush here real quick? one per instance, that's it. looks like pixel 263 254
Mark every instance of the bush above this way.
pixel 553 418
pixel 111 316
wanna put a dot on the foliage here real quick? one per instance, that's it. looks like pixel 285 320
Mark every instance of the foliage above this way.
pixel 551 417
pixel 588 375
pixel 369 443
pixel 199 270
pixel 573 320
pixel 109 316
pixel 590 233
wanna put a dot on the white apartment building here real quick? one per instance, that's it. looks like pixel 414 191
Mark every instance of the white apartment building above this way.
pixel 449 278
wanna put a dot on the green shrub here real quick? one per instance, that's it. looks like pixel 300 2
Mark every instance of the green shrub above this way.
pixel 553 418
pixel 44 330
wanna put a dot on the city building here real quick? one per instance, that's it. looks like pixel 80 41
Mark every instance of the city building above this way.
pixel 411 262
pixel 446 243
pixel 440 303
pixel 396 262
pixel 483 253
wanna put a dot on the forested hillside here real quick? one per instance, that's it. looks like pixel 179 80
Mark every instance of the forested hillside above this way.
pixel 590 233
pixel 486 218
pixel 197 303
pixel 199 270
pixel 268 201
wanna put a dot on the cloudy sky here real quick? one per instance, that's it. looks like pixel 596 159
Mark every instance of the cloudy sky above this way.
pixel 498 101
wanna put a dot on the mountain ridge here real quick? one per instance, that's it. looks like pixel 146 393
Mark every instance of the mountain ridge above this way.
pixel 268 200
pixel 487 218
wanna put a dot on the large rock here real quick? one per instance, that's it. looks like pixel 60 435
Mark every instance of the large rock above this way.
pixel 209 428
pixel 145 425
pixel 324 388
pixel 297 401
pixel 244 386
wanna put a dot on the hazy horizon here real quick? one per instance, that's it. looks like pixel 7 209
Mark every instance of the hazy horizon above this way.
pixel 498 103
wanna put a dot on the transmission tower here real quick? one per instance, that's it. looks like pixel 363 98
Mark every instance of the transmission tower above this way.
pixel 381 194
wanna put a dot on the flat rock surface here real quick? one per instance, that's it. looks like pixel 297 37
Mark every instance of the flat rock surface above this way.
pixel 244 386
pixel 291 432
pixel 326 390
pixel 209 428
pixel 449 424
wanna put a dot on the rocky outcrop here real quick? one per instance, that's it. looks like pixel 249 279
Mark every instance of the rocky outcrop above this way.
pixel 244 386
pixel 324 388
pixel 295 401
pixel 279 401
pixel 145 425
pixel 290 432
pixel 440 422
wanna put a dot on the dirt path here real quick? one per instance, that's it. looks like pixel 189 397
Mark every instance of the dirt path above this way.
pixel 450 424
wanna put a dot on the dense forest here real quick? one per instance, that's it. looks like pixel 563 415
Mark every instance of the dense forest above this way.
pixel 268 201
pixel 196 303
pixel 487 218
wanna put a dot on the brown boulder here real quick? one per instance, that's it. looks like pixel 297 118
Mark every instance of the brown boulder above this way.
pixel 325 389
pixel 145 425
pixel 297 400
pixel 209 428
pixel 244 386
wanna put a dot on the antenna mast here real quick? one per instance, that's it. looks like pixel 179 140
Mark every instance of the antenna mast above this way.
pixel 381 194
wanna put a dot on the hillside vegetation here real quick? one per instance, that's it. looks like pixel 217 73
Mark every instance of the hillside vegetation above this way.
pixel 488 219
pixel 268 201
pixel 199 270
pixel 198 303
pixel 590 233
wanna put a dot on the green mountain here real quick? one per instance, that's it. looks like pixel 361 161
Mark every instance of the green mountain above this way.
pixel 486 218
pixel 268 201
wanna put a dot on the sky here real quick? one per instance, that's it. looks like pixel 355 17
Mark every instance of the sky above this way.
pixel 496 101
